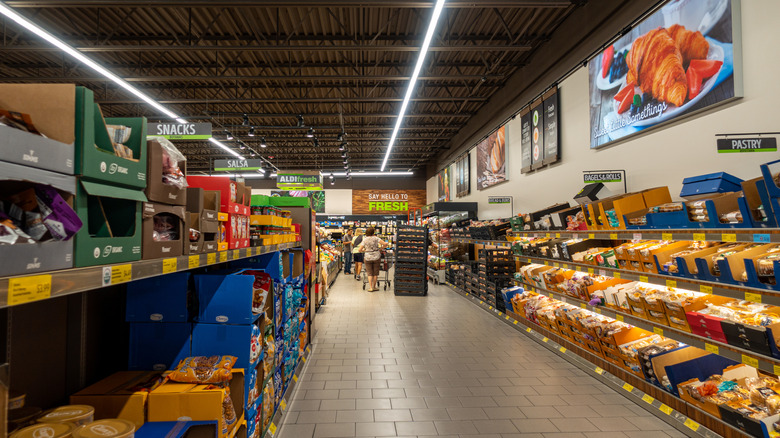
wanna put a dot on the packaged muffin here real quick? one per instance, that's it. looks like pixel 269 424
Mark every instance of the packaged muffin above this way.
pixel 78 415
pixel 48 430
pixel 109 428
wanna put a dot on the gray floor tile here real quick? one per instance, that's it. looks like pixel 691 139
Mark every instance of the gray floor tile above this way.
pixel 575 425
pixel 429 414
pixel 392 415
pixel 375 429
pixel 297 430
pixel 495 426
pixel 530 425
pixel 307 417
pixel 415 428
pixel 455 427
pixel 408 403
pixel 356 416
pixel 335 430
pixel 540 412
pixel 443 402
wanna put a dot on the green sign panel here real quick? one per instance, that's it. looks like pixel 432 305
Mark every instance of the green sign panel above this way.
pixel 238 164
pixel 499 200
pixel 180 131
pixel 299 181
pixel 603 177
pixel 758 144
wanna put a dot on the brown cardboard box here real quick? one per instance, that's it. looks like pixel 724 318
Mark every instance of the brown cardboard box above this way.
pixel 120 395
pixel 156 191
pixel 155 250
pixel 172 401
pixel 192 220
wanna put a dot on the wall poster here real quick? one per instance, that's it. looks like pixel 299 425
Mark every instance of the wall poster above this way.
pixel 462 176
pixel 443 178
pixel 681 59
pixel 537 134
pixel 550 110
pixel 316 197
pixel 526 147
pixel 491 159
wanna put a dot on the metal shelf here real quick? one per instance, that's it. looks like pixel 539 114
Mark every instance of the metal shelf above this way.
pixel 52 284
pixel 760 235
pixel 757 360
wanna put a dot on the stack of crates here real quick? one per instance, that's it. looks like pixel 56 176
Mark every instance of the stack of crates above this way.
pixel 496 270
pixel 411 263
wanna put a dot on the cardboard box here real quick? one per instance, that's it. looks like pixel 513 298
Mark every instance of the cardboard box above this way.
pixel 52 108
pixel 221 339
pixel 178 429
pixel 156 190
pixel 719 182
pixel 171 248
pixel 228 204
pixel 146 303
pixel 192 221
pixel 226 298
pixel 45 256
pixel 755 195
pixel 237 231
pixel 158 346
pixel 173 401
pixel 112 224
pixel 120 395
pixel 95 157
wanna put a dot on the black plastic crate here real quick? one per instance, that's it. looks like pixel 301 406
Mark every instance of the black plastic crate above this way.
pixel 496 255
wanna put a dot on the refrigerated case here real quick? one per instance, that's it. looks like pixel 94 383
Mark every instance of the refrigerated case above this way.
pixel 439 217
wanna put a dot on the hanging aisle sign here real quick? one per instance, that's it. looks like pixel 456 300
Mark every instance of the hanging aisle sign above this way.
pixel 759 144
pixel 180 131
pixel 299 180
pixel 238 164
pixel 499 199
pixel 602 177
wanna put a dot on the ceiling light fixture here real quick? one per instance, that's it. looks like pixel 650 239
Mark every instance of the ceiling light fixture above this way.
pixel 417 68
pixel 343 146
pixel 56 42
pixel 262 142
pixel 310 133
pixel 300 121
pixel 316 142
pixel 241 145
pixel 251 132
pixel 229 135
pixel 245 122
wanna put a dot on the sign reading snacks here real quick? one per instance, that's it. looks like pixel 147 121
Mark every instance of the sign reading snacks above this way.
pixel 499 200
pixel 238 164
pixel 602 177
pixel 180 131
pixel 299 180
pixel 760 144
pixel 386 201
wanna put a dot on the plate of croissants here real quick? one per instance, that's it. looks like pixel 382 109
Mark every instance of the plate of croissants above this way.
pixel 668 71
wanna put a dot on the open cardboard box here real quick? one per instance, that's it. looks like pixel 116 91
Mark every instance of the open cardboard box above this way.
pixel 156 190
pixel 733 267
pixel 755 195
pixel 622 204
pixel 95 157
pixel 706 325
pixel 46 256
pixel 647 255
pixel 228 204
pixel 192 221
pixel 674 357
pixel 112 224
pixel 121 395
pixel 52 108
pixel 170 248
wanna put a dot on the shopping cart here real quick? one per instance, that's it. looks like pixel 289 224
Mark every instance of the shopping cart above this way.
pixel 386 260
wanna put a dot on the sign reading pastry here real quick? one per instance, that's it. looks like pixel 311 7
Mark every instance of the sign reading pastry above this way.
pixel 491 159
pixel 758 144
pixel 386 201
pixel 676 62
pixel 180 131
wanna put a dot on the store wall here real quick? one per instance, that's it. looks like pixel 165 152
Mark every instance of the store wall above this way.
pixel 661 157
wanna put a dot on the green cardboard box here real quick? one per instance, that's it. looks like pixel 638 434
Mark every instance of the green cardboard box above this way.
pixel 260 200
pixel 95 157
pixel 112 224
pixel 289 201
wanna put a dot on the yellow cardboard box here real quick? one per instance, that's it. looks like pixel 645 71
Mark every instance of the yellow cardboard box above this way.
pixel 120 395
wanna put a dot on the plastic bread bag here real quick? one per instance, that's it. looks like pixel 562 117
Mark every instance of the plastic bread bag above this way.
pixel 17 120
pixel 172 175
pixel 165 227
pixel 203 369
pixel 10 234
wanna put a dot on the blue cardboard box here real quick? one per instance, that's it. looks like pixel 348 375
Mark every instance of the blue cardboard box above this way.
pixel 272 263
pixel 178 429
pixel 163 298
pixel 158 346
pixel 226 298
pixel 719 182
pixel 226 339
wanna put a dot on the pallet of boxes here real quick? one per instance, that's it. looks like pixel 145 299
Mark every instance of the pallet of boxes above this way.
pixel 411 264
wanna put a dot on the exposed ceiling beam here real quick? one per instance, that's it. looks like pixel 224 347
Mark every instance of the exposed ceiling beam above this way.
pixel 194 78
pixel 195 100
pixel 248 65
pixel 288 3
pixel 410 48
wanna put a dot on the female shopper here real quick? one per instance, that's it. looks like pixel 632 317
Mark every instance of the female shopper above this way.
pixel 371 248
pixel 357 256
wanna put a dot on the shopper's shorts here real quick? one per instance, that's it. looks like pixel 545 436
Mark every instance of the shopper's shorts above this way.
pixel 358 257
pixel 372 268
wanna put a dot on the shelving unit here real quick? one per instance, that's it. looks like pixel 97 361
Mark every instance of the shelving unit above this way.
pixel 433 214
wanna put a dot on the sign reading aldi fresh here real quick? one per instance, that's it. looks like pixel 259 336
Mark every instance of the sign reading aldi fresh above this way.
pixel 386 201
pixel 180 131
pixel 299 180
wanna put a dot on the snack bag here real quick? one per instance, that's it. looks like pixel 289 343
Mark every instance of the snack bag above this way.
pixel 202 369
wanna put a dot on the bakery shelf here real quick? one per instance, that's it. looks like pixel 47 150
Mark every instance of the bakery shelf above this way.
pixel 629 386
pixel 44 285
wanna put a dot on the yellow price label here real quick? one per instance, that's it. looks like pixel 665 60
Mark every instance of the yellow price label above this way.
pixel 506 317
pixel 648 399
pixel 295 378
pixel 528 329
pixel 613 236
pixel 705 289
pixel 728 237
pixel 671 283
pixel 665 409
pixel 616 275
pixel 222 256
pixel 583 305
pixel 547 235
pixel 558 235
pixel 628 387
pixel 236 254
pixel 525 234
pixel 169 265
pixel 480 302
pixel 514 322
pixel 699 237
pixel 272 429
pixel 619 318
pixel 556 265
pixel 562 349
pixel 776 368
pixel 193 262
pixel 598 310
pixel 211 258
pixel 591 271
pixel 546 263
pixel 591 236
pixel 499 313
pixel 714 349
pixel 283 404
pixel 599 371
pixel 565 266
pixel 692 425
pixel 121 274
pixel 551 295
pixel 529 260
pixel 750 361
pixel 545 339
pixel 303 359
pixel 667 236
pixel 467 294
pixel 658 331
pixel 490 307
pixel 643 278
pixel 28 289
pixel 756 298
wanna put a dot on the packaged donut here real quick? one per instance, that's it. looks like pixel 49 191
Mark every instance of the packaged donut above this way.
pixel 203 369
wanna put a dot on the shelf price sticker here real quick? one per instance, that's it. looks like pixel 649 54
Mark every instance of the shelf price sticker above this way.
pixel 283 404
pixel 665 409
pixel 211 258
pixel 28 289
pixel 692 425
pixel 619 318
pixel 545 339
pixel 728 237
pixel 272 429
pixel 591 271
pixel 671 283
pixel 193 261
pixel 528 329
pixel 583 305
pixel 547 235
pixel 529 261
pixel 613 236
pixel 557 235
pixel 565 266
pixel 169 265
pixel 222 256
pixel 628 387
pixel 236 254
pixel 750 361
pixel 546 263
pixel 644 279
pixel 562 349
pixel 599 371
pixel 714 349
pixel 705 289
pixel 647 398
pixel 591 236
pixel 616 275
pixel 699 237
pixel 755 298
pixel 556 265
pixel 776 369
pixel 637 236
pixel 667 236
pixel 514 322
pixel 658 330
pixel 295 378
pixel 761 238
pixel 117 274
pixel 598 310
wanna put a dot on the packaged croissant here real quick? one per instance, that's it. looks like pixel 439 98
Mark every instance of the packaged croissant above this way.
pixel 204 369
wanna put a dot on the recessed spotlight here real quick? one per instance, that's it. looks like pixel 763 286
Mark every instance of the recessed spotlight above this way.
pixel 310 133
pixel 241 145
pixel 251 132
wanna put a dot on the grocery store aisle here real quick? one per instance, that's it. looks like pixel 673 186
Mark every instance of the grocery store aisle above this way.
pixel 438 365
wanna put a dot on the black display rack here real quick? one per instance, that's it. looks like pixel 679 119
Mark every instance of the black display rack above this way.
pixel 411 261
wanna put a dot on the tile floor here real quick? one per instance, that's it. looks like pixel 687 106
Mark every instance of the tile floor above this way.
pixel 439 366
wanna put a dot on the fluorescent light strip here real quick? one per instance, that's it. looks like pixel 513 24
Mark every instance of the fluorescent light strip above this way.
pixel 417 68
pixel 37 30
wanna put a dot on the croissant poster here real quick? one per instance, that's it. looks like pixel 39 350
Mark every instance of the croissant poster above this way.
pixel 462 180
pixel 491 159
pixel 676 62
